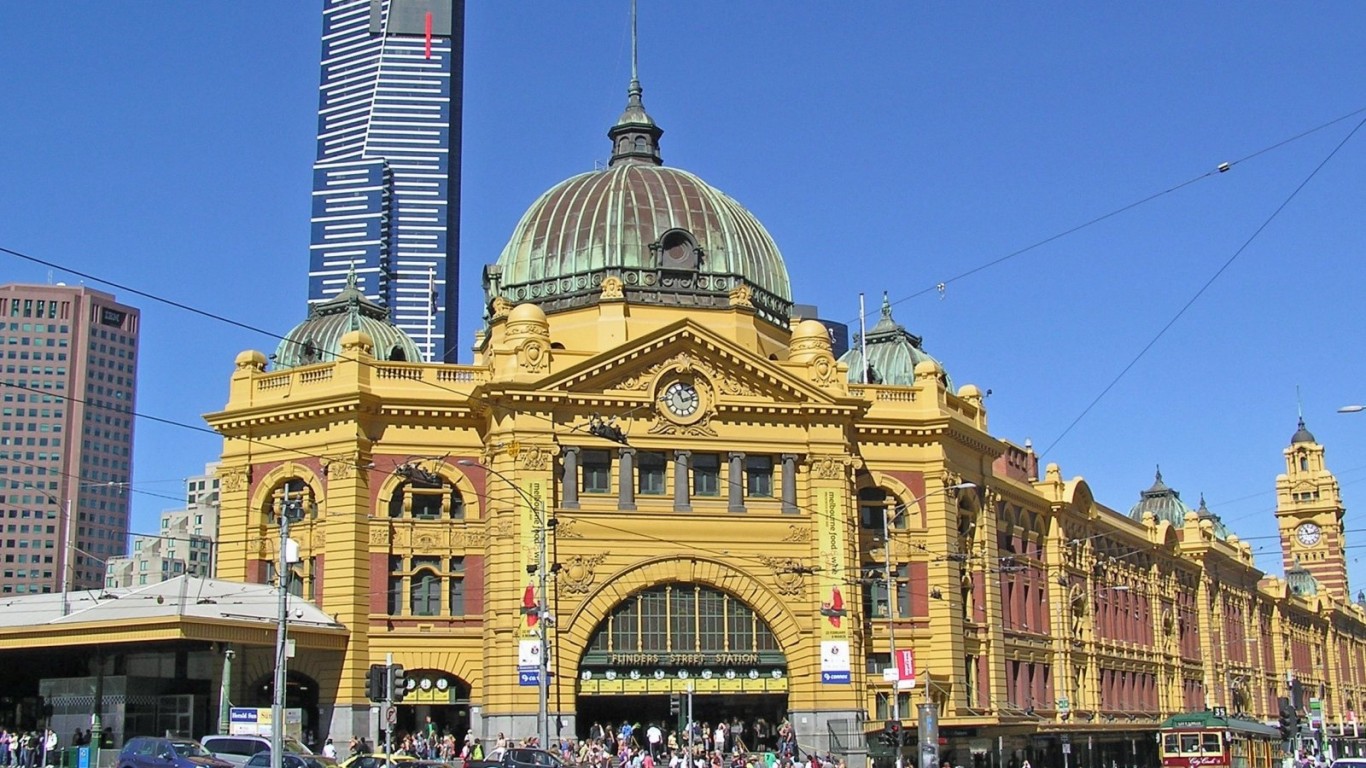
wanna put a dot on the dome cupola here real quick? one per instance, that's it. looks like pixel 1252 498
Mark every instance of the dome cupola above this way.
pixel 318 339
pixel 893 354
pixel 1164 502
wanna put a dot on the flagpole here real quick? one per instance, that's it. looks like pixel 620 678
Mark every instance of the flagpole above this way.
pixel 431 309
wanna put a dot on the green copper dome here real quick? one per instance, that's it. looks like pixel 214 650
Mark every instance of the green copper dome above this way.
pixel 893 354
pixel 318 338
pixel 670 237
pixel 1165 503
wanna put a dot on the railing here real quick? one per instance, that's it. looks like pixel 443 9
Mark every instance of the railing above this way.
pixel 446 374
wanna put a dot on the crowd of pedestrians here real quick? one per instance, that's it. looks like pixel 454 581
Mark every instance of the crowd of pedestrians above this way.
pixel 28 749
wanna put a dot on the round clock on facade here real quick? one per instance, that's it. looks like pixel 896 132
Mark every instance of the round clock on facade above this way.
pixel 1308 534
pixel 681 399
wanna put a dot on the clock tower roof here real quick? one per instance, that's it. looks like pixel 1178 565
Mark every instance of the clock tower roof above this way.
pixel 1302 435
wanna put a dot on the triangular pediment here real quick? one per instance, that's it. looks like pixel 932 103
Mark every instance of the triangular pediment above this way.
pixel 735 374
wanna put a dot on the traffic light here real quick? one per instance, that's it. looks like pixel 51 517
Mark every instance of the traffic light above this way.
pixel 376 685
pixel 1289 719
pixel 398 684
pixel 675 704
pixel 892 730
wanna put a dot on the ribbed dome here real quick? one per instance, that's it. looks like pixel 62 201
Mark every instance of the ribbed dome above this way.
pixel 893 354
pixel 318 338
pixel 669 236
pixel 1164 502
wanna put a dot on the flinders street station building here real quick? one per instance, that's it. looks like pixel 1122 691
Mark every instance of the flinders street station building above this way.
pixel 656 482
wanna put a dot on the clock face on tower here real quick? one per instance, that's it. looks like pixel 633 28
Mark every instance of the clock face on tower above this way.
pixel 682 399
pixel 1308 534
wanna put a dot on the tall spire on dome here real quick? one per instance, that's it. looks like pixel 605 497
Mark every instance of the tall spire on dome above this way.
pixel 635 137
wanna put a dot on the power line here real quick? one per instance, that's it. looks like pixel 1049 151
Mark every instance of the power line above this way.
pixel 1182 311
pixel 1221 168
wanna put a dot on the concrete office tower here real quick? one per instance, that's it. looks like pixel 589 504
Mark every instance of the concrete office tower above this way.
pixel 183 542
pixel 66 434
pixel 386 183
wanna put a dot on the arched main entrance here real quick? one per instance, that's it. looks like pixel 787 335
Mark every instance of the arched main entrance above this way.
pixel 663 644
pixel 437 704
pixel 301 693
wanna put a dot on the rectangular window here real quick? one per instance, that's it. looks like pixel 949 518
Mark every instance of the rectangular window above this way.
pixel 903 591
pixel 651 477
pixel 681 613
pixel 654 635
pixel 759 476
pixel 740 624
pixel 624 637
pixel 457 586
pixel 711 622
pixel 597 472
pixel 706 474
pixel 395 586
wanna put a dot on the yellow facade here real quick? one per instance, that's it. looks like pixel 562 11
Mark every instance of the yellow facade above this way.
pixel 1031 608
pixel 682 491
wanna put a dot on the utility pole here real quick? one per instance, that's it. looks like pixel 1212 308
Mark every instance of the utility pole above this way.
pixel 891 629
pixel 542 610
pixel 288 510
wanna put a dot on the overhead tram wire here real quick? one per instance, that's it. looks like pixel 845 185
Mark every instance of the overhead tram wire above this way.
pixel 576 428
pixel 1218 170
pixel 372 364
pixel 271 334
pixel 1227 263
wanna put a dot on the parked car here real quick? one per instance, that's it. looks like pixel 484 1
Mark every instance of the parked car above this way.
pixel 288 760
pixel 238 749
pixel 153 752
pixel 520 757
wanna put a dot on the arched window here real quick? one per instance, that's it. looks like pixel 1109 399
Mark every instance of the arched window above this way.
pixel 870 505
pixel 293 494
pixel 397 354
pixel 422 501
pixel 683 619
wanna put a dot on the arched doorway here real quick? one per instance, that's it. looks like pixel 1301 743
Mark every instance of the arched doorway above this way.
pixel 437 703
pixel 669 644
pixel 301 693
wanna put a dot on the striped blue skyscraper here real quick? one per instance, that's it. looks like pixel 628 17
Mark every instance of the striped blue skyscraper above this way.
pixel 386 184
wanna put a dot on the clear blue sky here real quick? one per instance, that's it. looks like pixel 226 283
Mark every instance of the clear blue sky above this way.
pixel 886 146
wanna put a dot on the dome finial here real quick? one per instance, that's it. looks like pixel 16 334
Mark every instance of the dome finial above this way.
pixel 1159 473
pixel 886 306
pixel 635 137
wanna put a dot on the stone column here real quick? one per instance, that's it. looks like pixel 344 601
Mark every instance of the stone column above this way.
pixel 682 492
pixel 570 481
pixel 735 482
pixel 789 483
pixel 626 480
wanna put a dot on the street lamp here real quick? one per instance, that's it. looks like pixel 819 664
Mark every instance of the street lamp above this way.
pixel 887 520
pixel 543 526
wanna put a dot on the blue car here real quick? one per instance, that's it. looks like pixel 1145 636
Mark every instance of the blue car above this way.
pixel 152 752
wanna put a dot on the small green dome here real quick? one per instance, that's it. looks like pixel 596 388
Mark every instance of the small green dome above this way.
pixel 1165 503
pixel 893 354
pixel 318 338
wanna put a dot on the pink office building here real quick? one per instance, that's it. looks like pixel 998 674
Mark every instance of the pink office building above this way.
pixel 68 388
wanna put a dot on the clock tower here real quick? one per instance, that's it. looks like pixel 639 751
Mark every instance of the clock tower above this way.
pixel 1309 512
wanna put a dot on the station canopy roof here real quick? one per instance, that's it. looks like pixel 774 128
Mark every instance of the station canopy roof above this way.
pixel 182 608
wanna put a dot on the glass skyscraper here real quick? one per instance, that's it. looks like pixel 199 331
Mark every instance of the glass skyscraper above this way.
pixel 386 183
